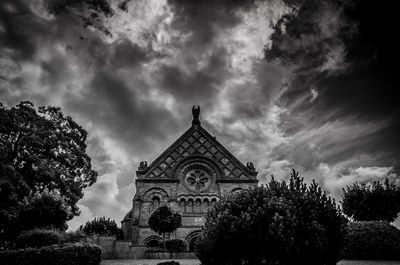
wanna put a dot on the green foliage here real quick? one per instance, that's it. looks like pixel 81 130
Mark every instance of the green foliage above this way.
pixel 372 240
pixel 38 238
pixel 154 249
pixel 379 202
pixel 102 226
pixel 165 220
pixel 280 223
pixel 41 151
pixel 44 210
pixel 67 254
pixel 176 245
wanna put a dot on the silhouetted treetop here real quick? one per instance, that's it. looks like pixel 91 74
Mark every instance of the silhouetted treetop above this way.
pixel 375 202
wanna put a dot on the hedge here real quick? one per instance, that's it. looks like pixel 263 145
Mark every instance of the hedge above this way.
pixel 67 254
pixel 38 238
pixel 176 245
pixel 372 240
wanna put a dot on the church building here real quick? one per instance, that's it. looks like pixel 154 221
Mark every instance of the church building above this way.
pixel 192 174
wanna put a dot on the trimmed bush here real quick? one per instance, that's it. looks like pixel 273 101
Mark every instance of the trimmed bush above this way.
pixel 372 240
pixel 37 238
pixel 68 254
pixel 175 245
pixel 154 249
pixel 281 223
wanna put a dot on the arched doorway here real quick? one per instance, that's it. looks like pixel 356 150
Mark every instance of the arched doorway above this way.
pixel 191 239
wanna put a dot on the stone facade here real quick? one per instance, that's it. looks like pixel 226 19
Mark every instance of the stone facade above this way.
pixel 192 174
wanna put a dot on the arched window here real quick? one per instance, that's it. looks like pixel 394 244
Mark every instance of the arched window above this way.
pixel 155 202
pixel 182 206
pixel 197 206
pixel 213 201
pixel 189 207
pixel 206 204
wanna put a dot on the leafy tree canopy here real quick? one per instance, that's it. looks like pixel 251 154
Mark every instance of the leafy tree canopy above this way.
pixel 165 220
pixel 102 226
pixel 372 202
pixel 280 223
pixel 41 151
pixel 43 211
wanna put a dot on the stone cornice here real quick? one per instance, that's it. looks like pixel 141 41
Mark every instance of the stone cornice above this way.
pixel 157 180
pixel 235 181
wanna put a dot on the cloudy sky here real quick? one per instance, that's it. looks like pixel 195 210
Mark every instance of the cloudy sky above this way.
pixel 286 84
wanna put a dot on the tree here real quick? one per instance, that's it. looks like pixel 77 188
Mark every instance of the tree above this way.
pixel 102 226
pixel 41 151
pixel 280 223
pixel 44 210
pixel 164 220
pixel 372 202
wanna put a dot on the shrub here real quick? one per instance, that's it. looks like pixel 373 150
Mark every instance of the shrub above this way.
pixel 37 238
pixel 68 254
pixel 154 249
pixel 102 226
pixel 44 210
pixel 280 223
pixel 175 245
pixel 372 240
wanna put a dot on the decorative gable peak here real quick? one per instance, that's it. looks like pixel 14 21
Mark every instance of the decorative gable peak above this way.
pixel 197 143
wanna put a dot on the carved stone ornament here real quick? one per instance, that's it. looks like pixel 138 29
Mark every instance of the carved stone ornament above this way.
pixel 197 179
pixel 250 166
pixel 142 165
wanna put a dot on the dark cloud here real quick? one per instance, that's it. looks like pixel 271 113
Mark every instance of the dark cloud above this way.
pixel 200 85
pixel 119 110
pixel 204 19
pixel 343 51
pixel 252 99
pixel 20 29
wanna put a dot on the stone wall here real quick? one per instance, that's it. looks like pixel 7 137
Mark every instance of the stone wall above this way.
pixel 118 249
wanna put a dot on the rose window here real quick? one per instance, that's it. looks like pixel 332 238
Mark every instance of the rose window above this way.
pixel 197 179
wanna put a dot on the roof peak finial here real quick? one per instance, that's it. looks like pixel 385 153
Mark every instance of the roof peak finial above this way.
pixel 196 114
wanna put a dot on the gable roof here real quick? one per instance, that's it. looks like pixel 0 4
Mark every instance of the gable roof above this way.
pixel 196 141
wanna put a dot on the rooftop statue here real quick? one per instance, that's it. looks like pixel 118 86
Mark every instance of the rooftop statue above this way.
pixel 196 114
